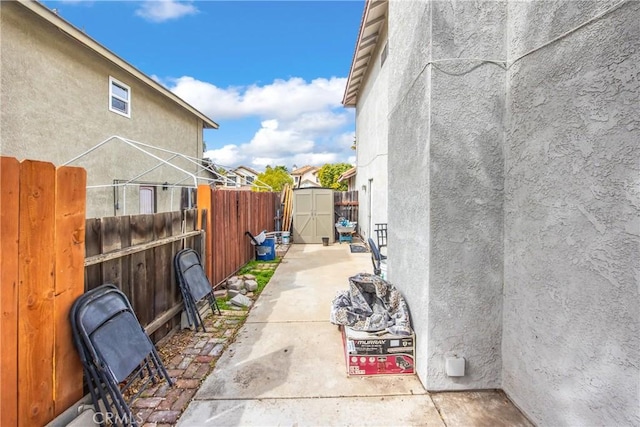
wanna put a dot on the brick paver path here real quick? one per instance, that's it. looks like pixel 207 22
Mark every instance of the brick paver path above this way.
pixel 189 357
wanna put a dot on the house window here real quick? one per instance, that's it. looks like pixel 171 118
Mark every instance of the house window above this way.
pixel 231 181
pixel 119 97
pixel 249 180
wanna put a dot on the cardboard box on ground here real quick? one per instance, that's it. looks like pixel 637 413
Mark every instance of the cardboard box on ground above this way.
pixel 378 353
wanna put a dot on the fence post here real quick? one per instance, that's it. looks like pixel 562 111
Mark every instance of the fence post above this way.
pixel 204 204
pixel 69 282
pixel 36 292
pixel 9 220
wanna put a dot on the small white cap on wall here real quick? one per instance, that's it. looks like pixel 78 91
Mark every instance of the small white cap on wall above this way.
pixel 455 366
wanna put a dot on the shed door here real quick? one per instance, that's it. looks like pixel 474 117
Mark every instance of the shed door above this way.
pixel 303 229
pixel 312 215
pixel 323 214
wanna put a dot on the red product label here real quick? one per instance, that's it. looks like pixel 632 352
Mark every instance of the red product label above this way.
pixel 380 364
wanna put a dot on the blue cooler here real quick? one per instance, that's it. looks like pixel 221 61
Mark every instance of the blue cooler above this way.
pixel 267 250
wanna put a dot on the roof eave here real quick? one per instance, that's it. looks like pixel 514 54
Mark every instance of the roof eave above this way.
pixel 373 19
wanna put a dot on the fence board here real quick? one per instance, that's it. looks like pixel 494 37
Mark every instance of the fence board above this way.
pixel 176 228
pixel 162 258
pixel 204 203
pixel 93 245
pixel 111 230
pixel 35 293
pixel 142 266
pixel 69 282
pixel 9 220
pixel 126 282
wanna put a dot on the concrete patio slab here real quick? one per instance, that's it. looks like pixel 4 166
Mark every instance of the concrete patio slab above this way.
pixel 353 411
pixel 287 367
pixel 294 360
pixel 302 287
pixel 478 409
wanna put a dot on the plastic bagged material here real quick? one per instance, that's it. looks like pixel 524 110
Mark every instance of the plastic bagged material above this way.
pixel 371 304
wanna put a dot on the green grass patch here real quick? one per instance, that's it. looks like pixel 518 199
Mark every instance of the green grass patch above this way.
pixel 261 270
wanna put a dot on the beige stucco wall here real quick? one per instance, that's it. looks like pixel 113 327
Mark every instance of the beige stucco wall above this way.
pixel 54 95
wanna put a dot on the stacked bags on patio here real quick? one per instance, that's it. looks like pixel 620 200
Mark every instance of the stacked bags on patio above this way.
pixel 371 304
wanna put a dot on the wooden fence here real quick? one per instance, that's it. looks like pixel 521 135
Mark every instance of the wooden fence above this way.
pixel 135 253
pixel 49 255
pixel 41 271
pixel 228 215
pixel 346 205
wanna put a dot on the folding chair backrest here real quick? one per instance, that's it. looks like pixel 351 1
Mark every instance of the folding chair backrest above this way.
pixel 100 310
pixel 112 332
pixel 192 274
pixel 375 256
pixel 122 345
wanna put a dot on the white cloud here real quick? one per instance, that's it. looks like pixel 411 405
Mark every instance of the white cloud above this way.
pixel 283 99
pixel 227 155
pixel 301 122
pixel 346 139
pixel 164 10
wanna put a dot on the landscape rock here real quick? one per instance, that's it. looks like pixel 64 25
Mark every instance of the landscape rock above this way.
pixel 240 301
pixel 233 293
pixel 235 285
pixel 221 293
pixel 249 277
pixel 243 291
pixel 251 285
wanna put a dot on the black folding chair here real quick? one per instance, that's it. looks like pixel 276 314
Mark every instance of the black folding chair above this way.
pixel 115 352
pixel 194 285
pixel 376 257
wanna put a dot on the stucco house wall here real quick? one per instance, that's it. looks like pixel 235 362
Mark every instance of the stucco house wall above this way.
pixel 571 340
pixel 517 243
pixel 446 129
pixel 55 106
pixel 371 144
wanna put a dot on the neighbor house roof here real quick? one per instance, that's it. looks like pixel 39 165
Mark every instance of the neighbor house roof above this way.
pixel 248 169
pixel 373 18
pixel 73 32
pixel 347 174
pixel 305 169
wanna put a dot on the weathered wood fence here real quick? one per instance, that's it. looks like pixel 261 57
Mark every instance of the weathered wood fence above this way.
pixel 135 253
pixel 229 214
pixel 346 205
pixel 41 271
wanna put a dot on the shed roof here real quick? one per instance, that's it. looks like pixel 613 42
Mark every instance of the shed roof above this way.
pixel 78 35
pixel 373 18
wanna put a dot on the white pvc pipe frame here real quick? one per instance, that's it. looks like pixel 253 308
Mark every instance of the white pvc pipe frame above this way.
pixel 138 146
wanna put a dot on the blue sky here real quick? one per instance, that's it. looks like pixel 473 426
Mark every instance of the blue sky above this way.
pixel 271 73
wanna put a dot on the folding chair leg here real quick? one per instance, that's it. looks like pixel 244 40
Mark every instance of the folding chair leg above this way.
pixel 213 303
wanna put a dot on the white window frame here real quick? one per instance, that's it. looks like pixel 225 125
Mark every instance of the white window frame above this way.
pixel 117 82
